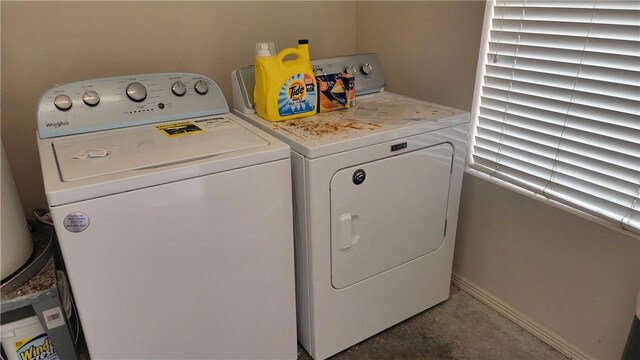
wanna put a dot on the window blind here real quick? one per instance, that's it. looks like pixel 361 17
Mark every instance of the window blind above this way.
pixel 558 111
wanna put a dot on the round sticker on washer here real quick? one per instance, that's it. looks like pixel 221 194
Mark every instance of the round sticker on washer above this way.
pixel 76 222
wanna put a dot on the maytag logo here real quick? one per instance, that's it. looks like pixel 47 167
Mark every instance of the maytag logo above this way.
pixel 56 125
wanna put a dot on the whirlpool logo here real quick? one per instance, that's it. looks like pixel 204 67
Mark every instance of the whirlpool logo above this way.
pixel 57 124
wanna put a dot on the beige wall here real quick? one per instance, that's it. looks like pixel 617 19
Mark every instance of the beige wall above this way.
pixel 428 49
pixel 577 278
pixel 47 43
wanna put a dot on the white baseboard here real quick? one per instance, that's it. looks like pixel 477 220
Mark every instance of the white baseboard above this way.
pixel 539 331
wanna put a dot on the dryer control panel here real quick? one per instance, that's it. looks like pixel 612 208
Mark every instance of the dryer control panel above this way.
pixel 365 67
pixel 117 102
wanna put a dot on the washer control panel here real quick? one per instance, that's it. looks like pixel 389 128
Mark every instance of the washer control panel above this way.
pixel 116 102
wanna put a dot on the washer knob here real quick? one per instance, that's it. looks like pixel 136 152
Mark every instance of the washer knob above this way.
pixel 62 102
pixel 178 88
pixel 319 72
pixel 91 98
pixel 201 87
pixel 136 91
pixel 367 69
pixel 350 70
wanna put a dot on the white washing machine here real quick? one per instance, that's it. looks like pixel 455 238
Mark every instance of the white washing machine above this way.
pixel 174 218
pixel 376 193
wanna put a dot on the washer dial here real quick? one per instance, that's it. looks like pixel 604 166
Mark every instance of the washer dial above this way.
pixel 136 91
pixel 91 98
pixel 350 70
pixel 201 87
pixel 62 102
pixel 178 88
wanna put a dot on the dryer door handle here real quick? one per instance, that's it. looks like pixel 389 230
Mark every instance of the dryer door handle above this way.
pixel 347 231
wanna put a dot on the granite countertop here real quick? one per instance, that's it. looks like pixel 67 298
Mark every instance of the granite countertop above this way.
pixel 43 281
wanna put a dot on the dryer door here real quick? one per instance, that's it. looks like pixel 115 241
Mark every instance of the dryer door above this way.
pixel 387 212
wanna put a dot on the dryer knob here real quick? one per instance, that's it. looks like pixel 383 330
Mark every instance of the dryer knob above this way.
pixel 350 70
pixel 91 98
pixel 201 87
pixel 62 102
pixel 178 88
pixel 367 69
pixel 136 91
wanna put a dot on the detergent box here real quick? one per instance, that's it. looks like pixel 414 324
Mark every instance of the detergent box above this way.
pixel 336 91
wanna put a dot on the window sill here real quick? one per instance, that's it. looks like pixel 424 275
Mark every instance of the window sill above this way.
pixel 530 194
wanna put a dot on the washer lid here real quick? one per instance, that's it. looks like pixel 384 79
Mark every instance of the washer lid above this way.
pixel 150 146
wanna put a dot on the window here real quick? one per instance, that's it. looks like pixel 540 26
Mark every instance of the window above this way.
pixel 557 103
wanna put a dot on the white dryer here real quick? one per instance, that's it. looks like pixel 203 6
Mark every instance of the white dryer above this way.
pixel 376 193
pixel 174 219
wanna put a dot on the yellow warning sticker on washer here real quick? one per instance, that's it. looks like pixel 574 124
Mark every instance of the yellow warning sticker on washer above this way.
pixel 179 129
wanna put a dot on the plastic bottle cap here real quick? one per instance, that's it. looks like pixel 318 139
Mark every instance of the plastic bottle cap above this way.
pixel 265 49
pixel 303 41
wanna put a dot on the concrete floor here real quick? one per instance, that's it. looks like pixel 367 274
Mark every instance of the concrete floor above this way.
pixel 459 328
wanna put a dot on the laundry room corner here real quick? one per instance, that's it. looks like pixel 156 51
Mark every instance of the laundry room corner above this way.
pixel 429 49
pixel 565 277
pixel 570 280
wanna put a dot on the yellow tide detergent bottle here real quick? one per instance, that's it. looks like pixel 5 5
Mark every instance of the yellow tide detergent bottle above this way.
pixel 285 89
